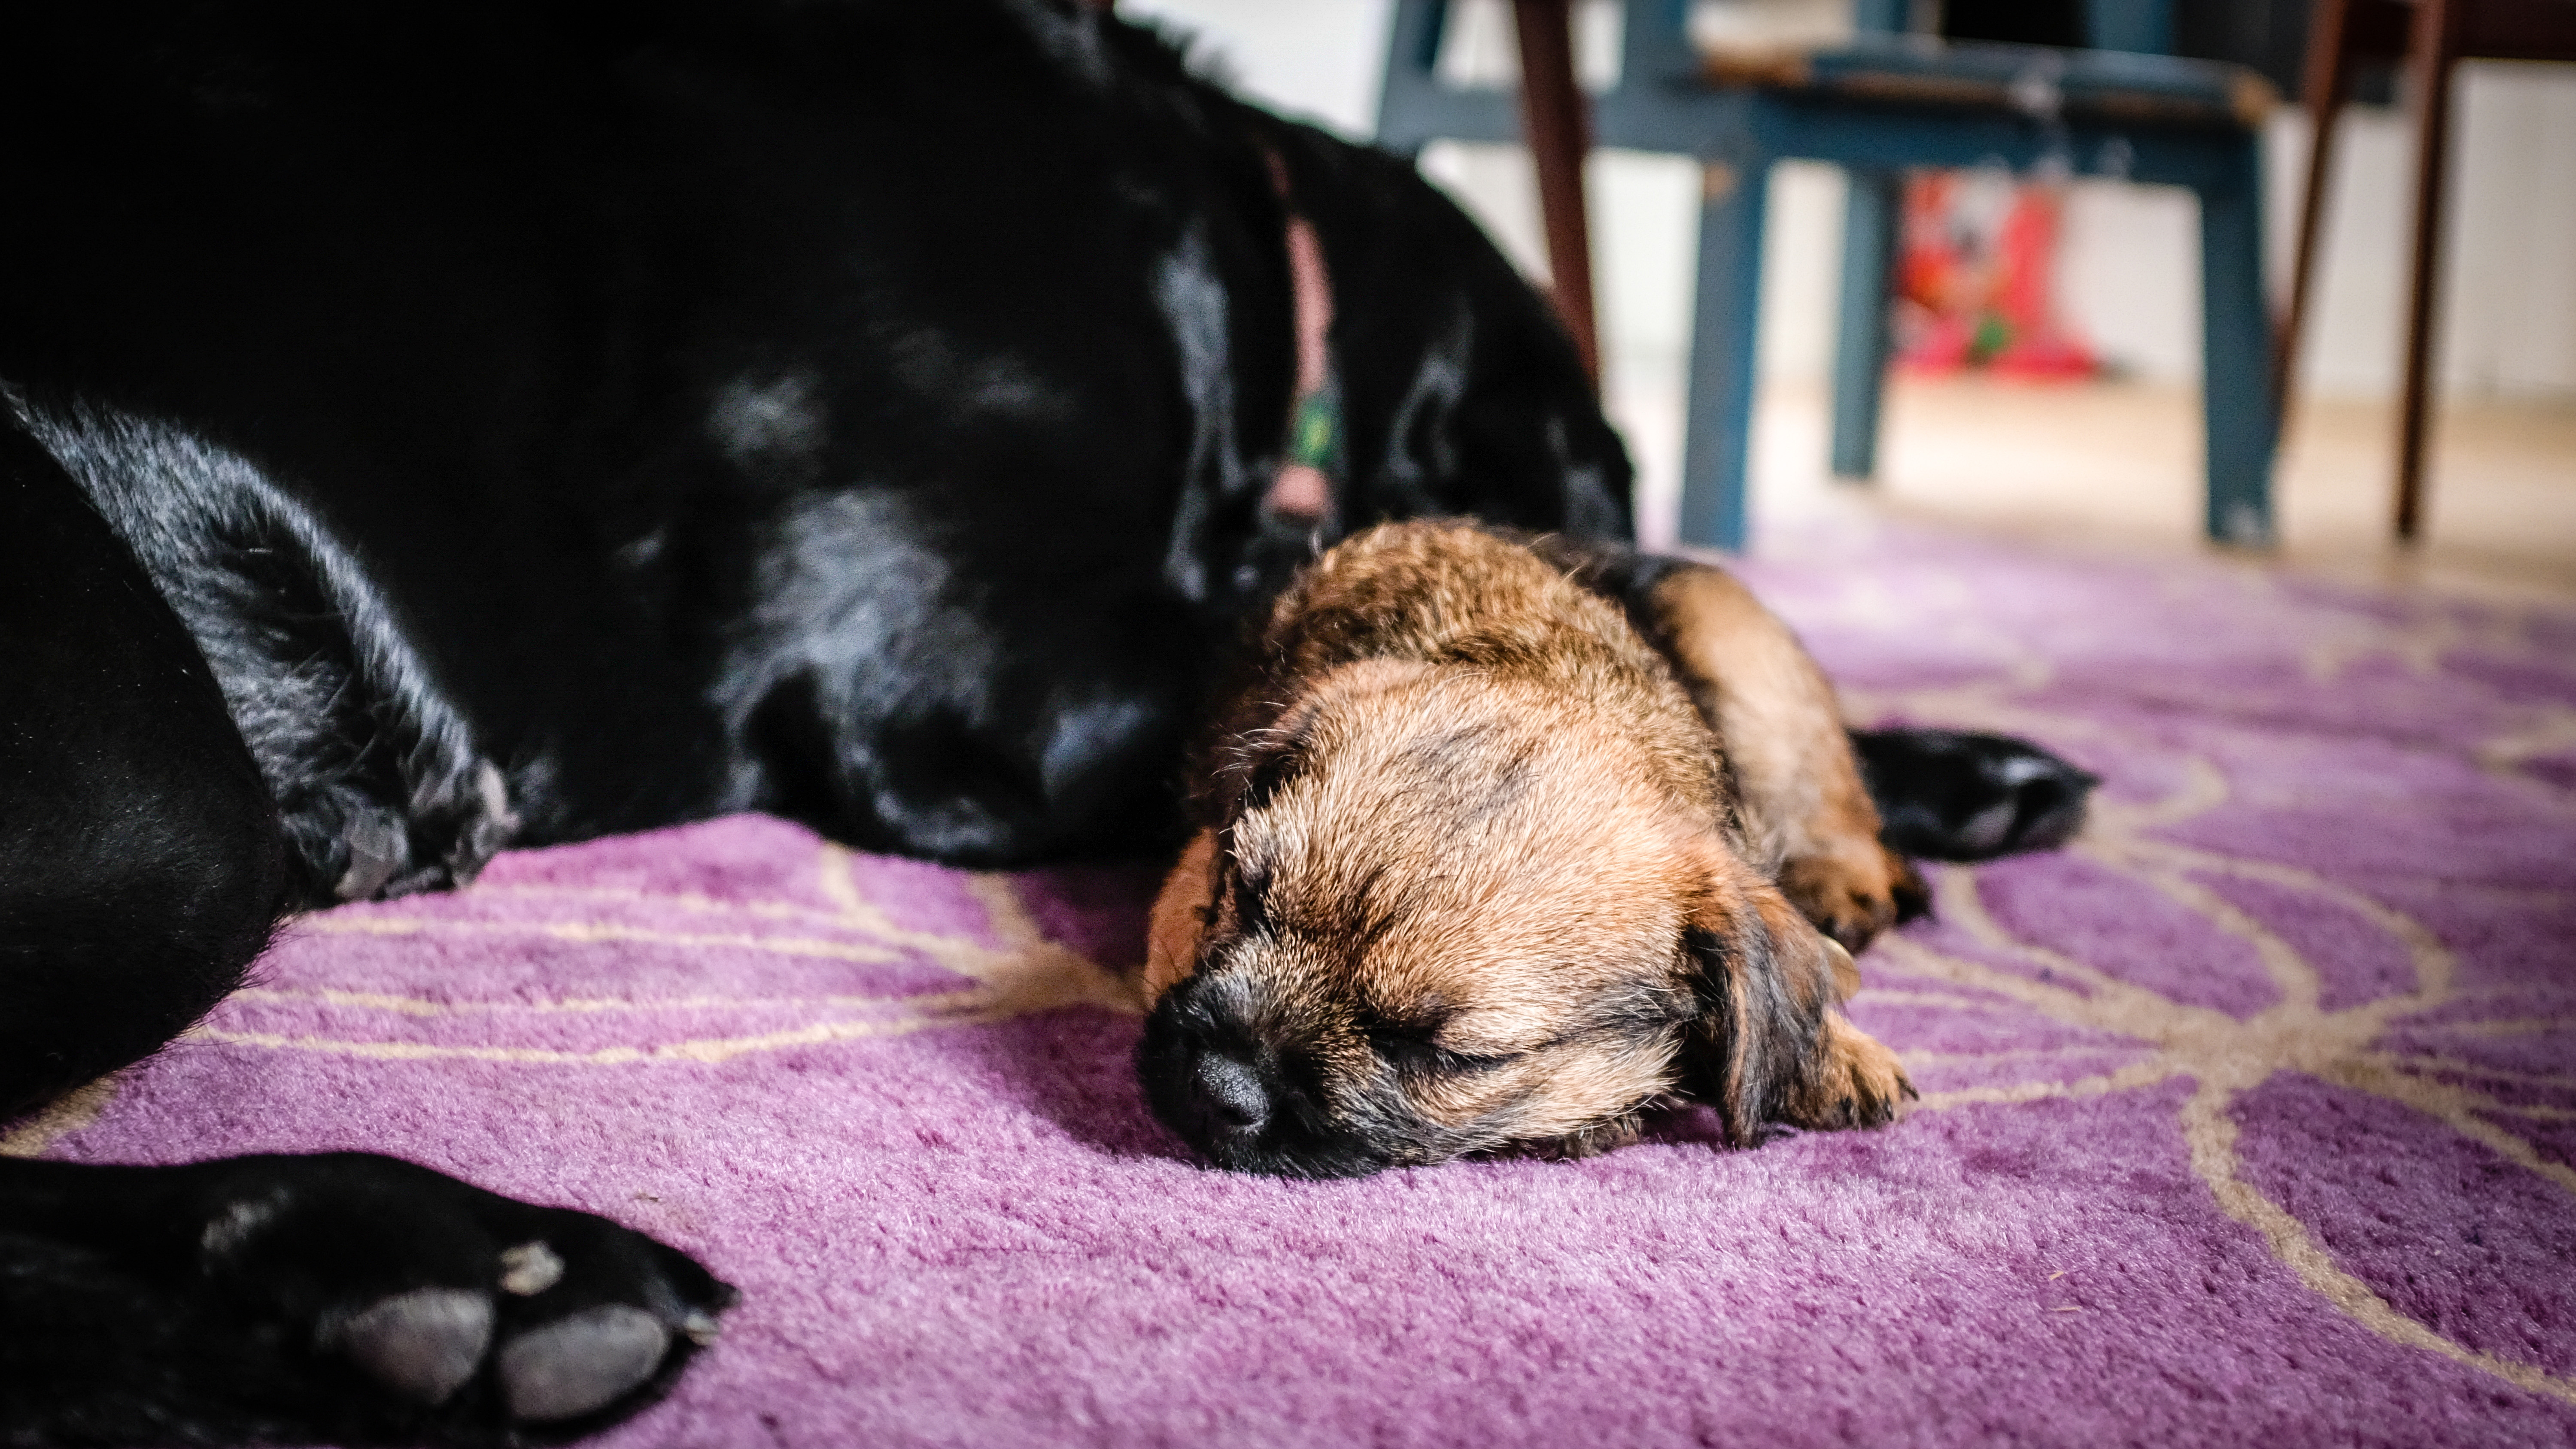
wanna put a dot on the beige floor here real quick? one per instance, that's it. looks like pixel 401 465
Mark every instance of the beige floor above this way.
pixel 2118 465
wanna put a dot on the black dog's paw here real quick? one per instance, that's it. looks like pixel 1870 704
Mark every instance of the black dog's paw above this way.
pixel 455 1315
pixel 359 847
pixel 1956 795
pixel 459 820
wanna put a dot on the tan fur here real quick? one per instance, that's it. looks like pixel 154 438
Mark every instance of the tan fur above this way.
pixel 1858 1073
pixel 1798 789
pixel 1462 794
pixel 1179 918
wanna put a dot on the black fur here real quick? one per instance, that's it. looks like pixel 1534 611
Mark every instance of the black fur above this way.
pixel 264 1299
pixel 375 776
pixel 1749 1039
pixel 1957 795
pixel 141 860
pixel 444 423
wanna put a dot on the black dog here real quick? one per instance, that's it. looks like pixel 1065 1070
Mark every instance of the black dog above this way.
pixel 433 426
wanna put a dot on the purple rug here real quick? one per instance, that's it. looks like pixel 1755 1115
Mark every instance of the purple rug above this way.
pixel 2247 1119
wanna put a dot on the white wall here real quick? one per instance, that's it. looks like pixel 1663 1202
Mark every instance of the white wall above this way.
pixel 1317 60
pixel 2130 278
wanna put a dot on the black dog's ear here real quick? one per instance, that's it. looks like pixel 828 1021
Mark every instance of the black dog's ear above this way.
pixel 1956 795
pixel 1764 977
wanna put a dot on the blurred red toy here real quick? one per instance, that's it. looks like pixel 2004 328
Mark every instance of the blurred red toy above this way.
pixel 1975 275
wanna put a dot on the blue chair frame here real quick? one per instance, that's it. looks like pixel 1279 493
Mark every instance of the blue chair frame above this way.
pixel 1664 102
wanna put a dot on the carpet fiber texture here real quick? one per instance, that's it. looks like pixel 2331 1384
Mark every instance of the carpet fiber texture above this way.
pixel 2248 1118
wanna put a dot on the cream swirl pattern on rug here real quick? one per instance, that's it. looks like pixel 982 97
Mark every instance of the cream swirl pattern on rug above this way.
pixel 2250 1117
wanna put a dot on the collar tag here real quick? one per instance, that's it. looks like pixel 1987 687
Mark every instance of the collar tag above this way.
pixel 1315 439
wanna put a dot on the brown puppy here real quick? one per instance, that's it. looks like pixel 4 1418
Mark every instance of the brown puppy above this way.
pixel 1489 861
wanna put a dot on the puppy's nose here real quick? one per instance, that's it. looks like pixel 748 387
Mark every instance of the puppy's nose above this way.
pixel 1236 1100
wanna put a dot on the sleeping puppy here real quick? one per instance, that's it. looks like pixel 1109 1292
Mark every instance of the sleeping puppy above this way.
pixel 1488 861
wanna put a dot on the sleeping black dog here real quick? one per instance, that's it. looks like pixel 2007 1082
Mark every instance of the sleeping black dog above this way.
pixel 448 423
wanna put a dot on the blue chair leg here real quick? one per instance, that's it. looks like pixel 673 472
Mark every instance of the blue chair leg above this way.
pixel 2236 343
pixel 1407 91
pixel 1870 217
pixel 1723 329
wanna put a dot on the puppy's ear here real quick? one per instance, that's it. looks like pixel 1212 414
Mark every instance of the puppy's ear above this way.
pixel 1180 918
pixel 1765 978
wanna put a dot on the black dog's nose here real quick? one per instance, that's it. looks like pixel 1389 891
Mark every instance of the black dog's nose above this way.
pixel 1234 1097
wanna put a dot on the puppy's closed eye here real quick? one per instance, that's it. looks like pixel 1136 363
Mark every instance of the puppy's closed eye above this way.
pixel 1410 1053
pixel 1428 1040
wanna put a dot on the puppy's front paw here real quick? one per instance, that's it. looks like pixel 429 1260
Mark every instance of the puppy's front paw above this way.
pixel 458 1312
pixel 1856 1082
pixel 1854 894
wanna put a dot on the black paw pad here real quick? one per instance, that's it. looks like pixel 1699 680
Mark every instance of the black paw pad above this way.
pixel 454 1309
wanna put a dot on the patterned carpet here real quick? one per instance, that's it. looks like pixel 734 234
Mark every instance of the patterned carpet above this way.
pixel 2249 1118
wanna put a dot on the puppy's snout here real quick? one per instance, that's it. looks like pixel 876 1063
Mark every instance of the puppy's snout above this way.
pixel 1206 1068
pixel 1232 1088
pixel 1231 1095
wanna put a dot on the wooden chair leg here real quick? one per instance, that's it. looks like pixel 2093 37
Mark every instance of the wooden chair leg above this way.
pixel 1552 118
pixel 1718 436
pixel 2328 75
pixel 2236 398
pixel 1871 216
pixel 2429 56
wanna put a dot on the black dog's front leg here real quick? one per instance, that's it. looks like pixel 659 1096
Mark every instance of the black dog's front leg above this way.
pixel 380 785
pixel 341 1298
pixel 350 1299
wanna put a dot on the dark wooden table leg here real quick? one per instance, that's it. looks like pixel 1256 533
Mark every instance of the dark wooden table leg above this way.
pixel 1553 118
pixel 2328 73
pixel 2435 45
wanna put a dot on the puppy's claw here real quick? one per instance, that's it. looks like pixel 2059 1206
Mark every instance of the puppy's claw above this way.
pixel 1851 896
pixel 1858 1082
pixel 423 1344
pixel 581 1364
pixel 1846 970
